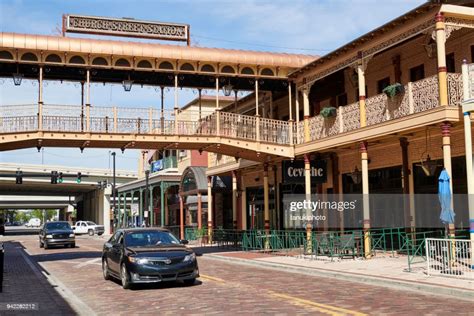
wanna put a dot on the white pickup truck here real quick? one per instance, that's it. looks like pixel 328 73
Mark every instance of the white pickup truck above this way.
pixel 87 227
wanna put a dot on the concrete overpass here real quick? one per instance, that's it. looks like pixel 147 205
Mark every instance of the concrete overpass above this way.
pixel 92 203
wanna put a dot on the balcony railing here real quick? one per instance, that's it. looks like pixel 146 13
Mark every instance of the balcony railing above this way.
pixel 418 96
pixel 117 120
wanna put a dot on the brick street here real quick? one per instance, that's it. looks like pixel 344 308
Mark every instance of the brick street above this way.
pixel 224 288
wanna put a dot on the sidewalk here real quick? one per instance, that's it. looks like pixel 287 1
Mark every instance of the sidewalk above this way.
pixel 381 270
pixel 24 284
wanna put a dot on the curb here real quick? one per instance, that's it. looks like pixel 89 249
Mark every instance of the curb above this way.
pixel 371 280
pixel 75 302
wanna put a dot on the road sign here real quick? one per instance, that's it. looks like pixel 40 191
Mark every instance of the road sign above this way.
pixel 134 209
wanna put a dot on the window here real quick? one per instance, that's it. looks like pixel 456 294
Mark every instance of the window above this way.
pixel 417 73
pixel 472 53
pixel 382 84
pixel 450 63
pixel 342 99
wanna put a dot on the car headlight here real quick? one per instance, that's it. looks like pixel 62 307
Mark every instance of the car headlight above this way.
pixel 190 257
pixel 71 235
pixel 138 260
pixel 49 236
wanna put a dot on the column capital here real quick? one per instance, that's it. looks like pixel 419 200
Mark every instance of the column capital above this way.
pixel 446 129
pixel 306 158
pixel 439 17
pixel 363 146
pixel 404 142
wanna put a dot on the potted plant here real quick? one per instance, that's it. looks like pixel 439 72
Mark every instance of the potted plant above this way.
pixel 202 236
pixel 328 112
pixel 394 90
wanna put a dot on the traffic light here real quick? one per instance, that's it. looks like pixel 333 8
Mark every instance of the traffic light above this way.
pixel 19 177
pixel 60 177
pixel 54 177
pixel 79 176
pixel 102 184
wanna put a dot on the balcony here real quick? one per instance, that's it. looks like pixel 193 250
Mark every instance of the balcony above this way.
pixel 418 96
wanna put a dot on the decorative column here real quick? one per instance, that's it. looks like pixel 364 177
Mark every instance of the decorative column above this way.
pixel 40 99
pixel 266 206
pixel 441 56
pixel 162 116
pixel 307 136
pixel 446 133
pixel 406 183
pixel 234 199
pixel 218 116
pixel 243 206
pixel 361 66
pixel 257 115
pixel 365 198
pixel 209 209
pixel 199 211
pixel 181 217
pixel 290 117
pixel 297 114
pixel 88 100
pixel 162 203
pixel 125 215
pixel 308 213
pixel 149 207
pixel 176 107
pixel 141 207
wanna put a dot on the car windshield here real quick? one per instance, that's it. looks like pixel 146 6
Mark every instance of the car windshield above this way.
pixel 149 239
pixel 58 226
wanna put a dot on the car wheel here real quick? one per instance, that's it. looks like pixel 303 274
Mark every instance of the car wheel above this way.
pixel 125 277
pixel 105 269
pixel 72 245
pixel 45 245
pixel 40 244
pixel 189 281
pixel 91 232
pixel 100 234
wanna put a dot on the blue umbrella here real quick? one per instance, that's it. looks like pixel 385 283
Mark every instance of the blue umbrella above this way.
pixel 444 195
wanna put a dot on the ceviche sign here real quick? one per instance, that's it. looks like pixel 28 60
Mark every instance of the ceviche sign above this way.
pixel 293 171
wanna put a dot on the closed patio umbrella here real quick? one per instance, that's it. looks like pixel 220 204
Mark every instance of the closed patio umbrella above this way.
pixel 444 195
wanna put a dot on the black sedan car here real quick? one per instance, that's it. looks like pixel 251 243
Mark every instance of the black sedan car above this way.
pixel 148 255
pixel 56 234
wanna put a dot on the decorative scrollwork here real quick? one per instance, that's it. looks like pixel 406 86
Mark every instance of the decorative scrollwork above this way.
pixel 455 89
pixel 426 94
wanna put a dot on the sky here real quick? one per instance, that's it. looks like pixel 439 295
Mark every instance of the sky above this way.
pixel 313 27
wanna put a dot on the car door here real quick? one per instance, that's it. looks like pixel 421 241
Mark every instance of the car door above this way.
pixel 82 228
pixel 115 252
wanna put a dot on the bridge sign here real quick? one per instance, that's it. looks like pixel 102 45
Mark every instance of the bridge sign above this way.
pixel 127 27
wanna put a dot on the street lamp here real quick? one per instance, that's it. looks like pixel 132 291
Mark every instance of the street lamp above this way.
pixel 147 207
pixel 227 89
pixel 127 84
pixel 17 77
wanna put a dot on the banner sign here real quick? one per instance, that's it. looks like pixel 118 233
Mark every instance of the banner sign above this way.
pixel 293 171
pixel 157 165
pixel 125 27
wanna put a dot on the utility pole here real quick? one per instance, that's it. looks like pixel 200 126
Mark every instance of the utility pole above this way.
pixel 114 212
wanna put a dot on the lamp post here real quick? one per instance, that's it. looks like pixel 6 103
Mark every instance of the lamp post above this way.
pixel 113 189
pixel 147 207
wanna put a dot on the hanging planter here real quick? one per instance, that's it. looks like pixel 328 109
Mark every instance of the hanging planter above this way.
pixel 394 90
pixel 328 112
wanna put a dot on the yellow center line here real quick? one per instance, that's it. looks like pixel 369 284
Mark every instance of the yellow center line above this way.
pixel 327 308
pixel 323 308
pixel 210 278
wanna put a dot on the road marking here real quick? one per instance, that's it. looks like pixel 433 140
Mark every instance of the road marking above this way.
pixel 210 278
pixel 88 262
pixel 328 309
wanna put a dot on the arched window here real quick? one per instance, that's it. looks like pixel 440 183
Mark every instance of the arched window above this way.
pixel 144 64
pixel 166 65
pixel 53 58
pixel 29 57
pixel 267 72
pixel 77 60
pixel 247 71
pixel 100 61
pixel 227 70
pixel 207 68
pixel 187 67
pixel 5 55
pixel 122 62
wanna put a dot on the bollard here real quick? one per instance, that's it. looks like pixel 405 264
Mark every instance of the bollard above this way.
pixel 2 256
